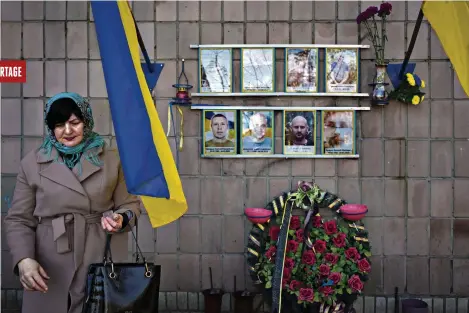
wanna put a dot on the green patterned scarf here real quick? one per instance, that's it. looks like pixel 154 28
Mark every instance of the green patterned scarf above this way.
pixel 91 140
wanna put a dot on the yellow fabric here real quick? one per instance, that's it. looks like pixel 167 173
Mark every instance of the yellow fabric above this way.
pixel 161 211
pixel 450 21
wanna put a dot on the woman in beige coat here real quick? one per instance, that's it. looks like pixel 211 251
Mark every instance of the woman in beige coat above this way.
pixel 69 193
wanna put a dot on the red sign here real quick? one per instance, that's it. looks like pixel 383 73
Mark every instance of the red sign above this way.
pixel 12 71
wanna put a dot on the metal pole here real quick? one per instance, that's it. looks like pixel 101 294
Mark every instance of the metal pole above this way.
pixel 412 44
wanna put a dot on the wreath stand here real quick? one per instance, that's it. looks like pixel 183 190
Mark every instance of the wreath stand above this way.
pixel 279 212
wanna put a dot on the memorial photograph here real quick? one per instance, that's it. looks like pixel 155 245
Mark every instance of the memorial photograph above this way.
pixel 338 132
pixel 299 132
pixel 215 70
pixel 341 70
pixel 257 132
pixel 219 132
pixel 257 70
pixel 301 70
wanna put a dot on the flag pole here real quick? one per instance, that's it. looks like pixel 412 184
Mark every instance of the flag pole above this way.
pixel 411 45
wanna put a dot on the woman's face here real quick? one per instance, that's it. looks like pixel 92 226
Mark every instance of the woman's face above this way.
pixel 70 133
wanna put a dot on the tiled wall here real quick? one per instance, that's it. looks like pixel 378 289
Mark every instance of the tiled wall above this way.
pixel 413 171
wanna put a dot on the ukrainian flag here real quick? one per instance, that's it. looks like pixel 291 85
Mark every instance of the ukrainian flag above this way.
pixel 148 164
pixel 450 21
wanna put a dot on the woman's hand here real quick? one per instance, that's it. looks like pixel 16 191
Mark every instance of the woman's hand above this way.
pixel 112 223
pixel 32 275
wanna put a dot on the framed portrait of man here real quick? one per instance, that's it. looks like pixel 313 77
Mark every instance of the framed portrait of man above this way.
pixel 301 70
pixel 257 70
pixel 342 75
pixel 257 132
pixel 219 132
pixel 215 70
pixel 338 132
pixel 299 135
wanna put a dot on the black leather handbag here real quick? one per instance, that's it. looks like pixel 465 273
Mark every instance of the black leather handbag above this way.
pixel 122 287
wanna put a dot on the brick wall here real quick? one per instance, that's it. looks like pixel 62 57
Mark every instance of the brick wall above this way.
pixel 412 172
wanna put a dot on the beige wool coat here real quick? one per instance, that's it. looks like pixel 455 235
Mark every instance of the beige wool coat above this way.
pixel 55 218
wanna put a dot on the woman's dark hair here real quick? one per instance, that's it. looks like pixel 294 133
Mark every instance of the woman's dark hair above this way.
pixel 60 111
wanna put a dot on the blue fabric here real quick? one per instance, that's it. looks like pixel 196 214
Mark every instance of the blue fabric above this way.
pixel 393 72
pixel 141 163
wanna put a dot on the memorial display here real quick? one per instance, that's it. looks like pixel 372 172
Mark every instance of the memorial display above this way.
pixel 215 70
pixel 341 70
pixel 338 132
pixel 305 262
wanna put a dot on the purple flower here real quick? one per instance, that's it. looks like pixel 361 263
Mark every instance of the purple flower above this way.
pixel 368 13
pixel 384 9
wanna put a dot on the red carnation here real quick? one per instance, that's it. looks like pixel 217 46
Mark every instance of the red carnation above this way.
pixel 274 231
pixel 364 266
pixel 385 9
pixel 319 246
pixel 355 283
pixel 306 295
pixel 330 227
pixel 295 222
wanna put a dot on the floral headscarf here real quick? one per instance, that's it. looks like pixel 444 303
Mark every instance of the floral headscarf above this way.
pixel 72 155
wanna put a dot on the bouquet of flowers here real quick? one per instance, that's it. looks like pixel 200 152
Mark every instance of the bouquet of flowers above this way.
pixel 408 90
pixel 323 263
pixel 378 39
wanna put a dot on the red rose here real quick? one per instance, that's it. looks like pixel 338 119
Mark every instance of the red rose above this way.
pixel 295 285
pixel 335 277
pixel 309 258
pixel 352 253
pixel 306 295
pixel 286 273
pixel 317 221
pixel 355 283
pixel 295 222
pixel 270 253
pixel 274 231
pixel 331 258
pixel 364 266
pixel 289 263
pixel 324 270
pixel 285 282
pixel 339 240
pixel 326 291
pixel 300 235
pixel 319 246
pixel 330 227
pixel 292 245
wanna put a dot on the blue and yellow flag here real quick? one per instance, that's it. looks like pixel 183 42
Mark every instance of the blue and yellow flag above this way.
pixel 148 164
pixel 450 21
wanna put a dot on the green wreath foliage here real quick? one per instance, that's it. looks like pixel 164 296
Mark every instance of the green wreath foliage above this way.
pixel 326 261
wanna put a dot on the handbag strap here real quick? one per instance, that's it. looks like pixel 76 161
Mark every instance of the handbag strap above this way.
pixel 107 248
